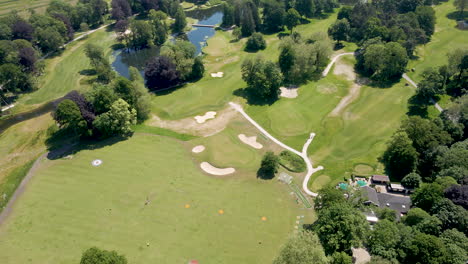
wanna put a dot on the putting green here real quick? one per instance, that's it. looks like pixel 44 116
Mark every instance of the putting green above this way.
pixel 71 205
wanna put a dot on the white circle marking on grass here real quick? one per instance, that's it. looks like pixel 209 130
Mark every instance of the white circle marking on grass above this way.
pixel 96 162
pixel 198 149
pixel 251 141
pixel 208 115
pixel 208 168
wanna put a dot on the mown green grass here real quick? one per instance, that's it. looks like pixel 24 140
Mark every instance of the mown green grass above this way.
pixel 23 6
pixel 161 132
pixel 63 73
pixel 11 182
pixel 70 206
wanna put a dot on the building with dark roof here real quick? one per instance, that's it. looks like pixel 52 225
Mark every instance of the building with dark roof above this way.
pixel 399 203
pixel 380 179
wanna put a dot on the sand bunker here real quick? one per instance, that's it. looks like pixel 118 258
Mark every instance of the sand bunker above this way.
pixel 202 119
pixel 198 149
pixel 208 168
pixel 251 141
pixel 217 74
pixel 288 92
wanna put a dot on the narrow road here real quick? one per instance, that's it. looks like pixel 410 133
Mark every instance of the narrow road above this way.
pixel 407 78
pixel 303 154
pixel 334 59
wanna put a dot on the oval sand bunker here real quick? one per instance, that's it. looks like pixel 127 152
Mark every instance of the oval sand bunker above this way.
pixel 198 149
pixel 251 141
pixel 208 168
pixel 202 119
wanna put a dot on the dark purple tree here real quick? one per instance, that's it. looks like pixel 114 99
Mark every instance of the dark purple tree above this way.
pixel 67 23
pixel 86 108
pixel 150 4
pixel 22 30
pixel 121 26
pixel 458 194
pixel 161 72
pixel 27 58
pixel 121 9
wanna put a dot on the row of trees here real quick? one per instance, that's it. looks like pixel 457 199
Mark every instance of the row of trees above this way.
pixel 408 23
pixel 106 110
pixel 176 64
pixel 23 41
pixel 138 34
pixel 275 14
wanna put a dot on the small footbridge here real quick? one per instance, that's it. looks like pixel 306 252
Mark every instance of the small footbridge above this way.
pixel 200 25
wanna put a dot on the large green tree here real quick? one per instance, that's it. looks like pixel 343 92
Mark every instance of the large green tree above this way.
pixel 68 116
pixel 303 248
pixel 384 239
pixel 341 227
pixel 401 157
pixel 117 121
pixel 180 21
pixel 263 77
pixel 269 165
pixel 339 31
pixel 292 19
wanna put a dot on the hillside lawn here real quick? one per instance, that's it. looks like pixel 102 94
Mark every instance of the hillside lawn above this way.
pixel 23 6
pixel 70 206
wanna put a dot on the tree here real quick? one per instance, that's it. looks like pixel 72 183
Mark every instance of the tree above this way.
pixel 384 239
pixel 286 58
pixel 141 34
pixel 433 84
pixel 292 19
pixel 143 105
pixel 68 116
pixel 386 214
pixel 49 39
pixel 198 69
pixel 99 62
pixel 456 172
pixel 460 5
pixel 327 197
pixel 86 108
pixel 102 97
pixel 22 30
pixel 117 121
pixel 339 31
pixel 422 221
pixel 228 15
pixel 97 256
pixel 303 248
pixel 273 16
pixel 269 165
pixel 426 18
pixel 237 33
pixel 124 89
pixel 306 7
pixel 411 181
pixel 426 249
pixel 247 24
pixel 452 236
pixel 27 58
pixel 427 195
pixel 340 227
pixel 159 26
pixel 182 54
pixel 263 78
pixel 180 21
pixel 401 157
pixel 450 215
pixel 457 155
pixel 341 258
pixel 161 72
pixel 255 42
pixel 458 194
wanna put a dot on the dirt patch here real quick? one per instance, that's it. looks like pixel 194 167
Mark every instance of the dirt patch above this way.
pixel 190 126
pixel 289 92
pixel 344 69
pixel 348 99
pixel 217 74
pixel 198 149
pixel 207 116
pixel 251 141
pixel 210 169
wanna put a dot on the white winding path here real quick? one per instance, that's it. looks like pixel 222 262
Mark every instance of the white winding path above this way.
pixel 328 68
pixel 303 154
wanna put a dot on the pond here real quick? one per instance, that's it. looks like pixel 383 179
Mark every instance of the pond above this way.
pixel 197 36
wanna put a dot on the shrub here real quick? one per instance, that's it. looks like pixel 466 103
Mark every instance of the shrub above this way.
pixel 255 42
pixel 291 161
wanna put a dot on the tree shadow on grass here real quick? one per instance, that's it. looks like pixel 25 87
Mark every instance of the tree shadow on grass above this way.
pixel 261 174
pixel 88 72
pixel 457 15
pixel 417 107
pixel 62 143
pixel 252 99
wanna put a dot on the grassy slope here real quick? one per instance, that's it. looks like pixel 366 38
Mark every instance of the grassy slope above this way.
pixel 23 6
pixel 66 209
pixel 62 73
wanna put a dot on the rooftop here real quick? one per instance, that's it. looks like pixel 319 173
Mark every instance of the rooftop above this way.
pixel 380 178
